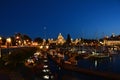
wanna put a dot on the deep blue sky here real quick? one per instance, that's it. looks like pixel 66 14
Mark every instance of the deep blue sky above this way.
pixel 79 18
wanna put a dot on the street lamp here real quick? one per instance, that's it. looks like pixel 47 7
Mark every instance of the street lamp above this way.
pixel 17 40
pixel 0 46
pixel 47 47
pixel 8 42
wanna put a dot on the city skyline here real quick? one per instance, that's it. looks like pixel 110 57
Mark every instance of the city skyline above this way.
pixel 48 18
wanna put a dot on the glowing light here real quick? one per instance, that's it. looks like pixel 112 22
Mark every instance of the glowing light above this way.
pixel 37 53
pixel 45 60
pixel 47 47
pixel 17 37
pixel 46 70
pixel 30 61
pixel 9 40
pixel 45 66
pixel 101 42
pixel 46 77
pixel 41 47
pixel 96 63
pixel 35 43
pixel 0 40
pixel 52 77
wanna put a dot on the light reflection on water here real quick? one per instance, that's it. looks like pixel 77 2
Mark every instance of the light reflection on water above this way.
pixel 96 63
pixel 111 64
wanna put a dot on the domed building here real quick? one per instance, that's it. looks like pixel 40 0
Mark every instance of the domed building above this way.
pixel 60 39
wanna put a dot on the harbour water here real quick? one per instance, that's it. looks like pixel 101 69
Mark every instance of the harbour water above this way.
pixel 107 65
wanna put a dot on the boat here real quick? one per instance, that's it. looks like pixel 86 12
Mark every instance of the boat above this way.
pixel 74 68
pixel 95 55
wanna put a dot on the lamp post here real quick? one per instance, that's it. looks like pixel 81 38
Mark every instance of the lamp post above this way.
pixel 0 46
pixel 8 44
pixel 17 39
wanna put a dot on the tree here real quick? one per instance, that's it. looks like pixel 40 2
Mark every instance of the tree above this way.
pixel 18 56
pixel 47 41
pixel 38 39
pixel 68 41
pixel 3 40
pixel 13 42
pixel 26 37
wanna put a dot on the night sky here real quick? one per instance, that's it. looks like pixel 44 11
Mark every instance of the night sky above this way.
pixel 47 18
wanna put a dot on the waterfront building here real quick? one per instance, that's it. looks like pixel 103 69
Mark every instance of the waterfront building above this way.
pixel 76 41
pixel 112 40
pixel 60 39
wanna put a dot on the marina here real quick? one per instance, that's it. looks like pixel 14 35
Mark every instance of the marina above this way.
pixel 60 40
pixel 99 67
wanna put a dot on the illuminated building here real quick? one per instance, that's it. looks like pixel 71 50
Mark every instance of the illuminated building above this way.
pixel 60 39
pixel 113 40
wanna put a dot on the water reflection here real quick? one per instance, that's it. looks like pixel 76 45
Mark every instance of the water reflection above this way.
pixel 110 64
pixel 110 59
pixel 96 63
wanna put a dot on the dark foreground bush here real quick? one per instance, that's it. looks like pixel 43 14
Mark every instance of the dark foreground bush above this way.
pixel 18 56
